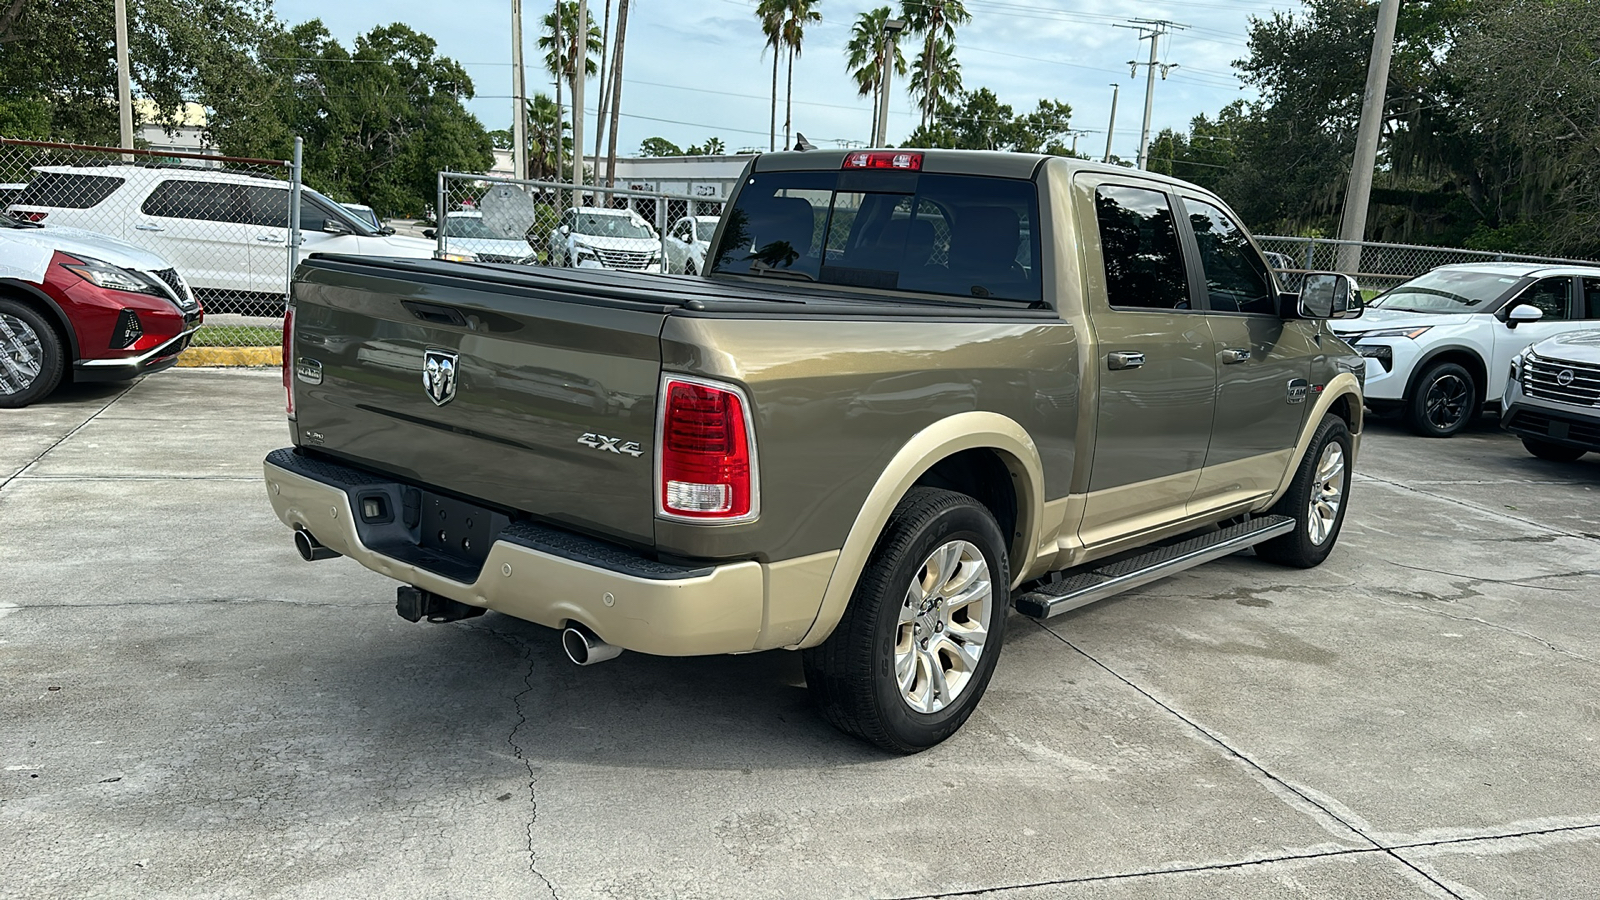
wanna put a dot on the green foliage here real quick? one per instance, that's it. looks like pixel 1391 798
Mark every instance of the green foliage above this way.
pixel 567 53
pixel 864 52
pixel 659 146
pixel 979 121
pixel 937 75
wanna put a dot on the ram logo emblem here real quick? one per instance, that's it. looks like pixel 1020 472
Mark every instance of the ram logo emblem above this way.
pixel 439 375
pixel 615 445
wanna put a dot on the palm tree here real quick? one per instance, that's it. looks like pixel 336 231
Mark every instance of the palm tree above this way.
pixel 559 41
pixel 936 79
pixel 545 122
pixel 770 12
pixel 935 21
pixel 866 55
pixel 616 92
pixel 796 14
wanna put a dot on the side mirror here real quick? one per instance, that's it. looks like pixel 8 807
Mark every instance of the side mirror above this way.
pixel 334 226
pixel 565 230
pixel 1523 315
pixel 430 234
pixel 1329 295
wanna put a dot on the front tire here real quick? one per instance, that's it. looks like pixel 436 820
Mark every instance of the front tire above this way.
pixel 1315 500
pixel 32 359
pixel 1443 402
pixel 918 643
pixel 1553 452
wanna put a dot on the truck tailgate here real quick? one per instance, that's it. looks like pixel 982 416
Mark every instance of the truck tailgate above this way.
pixel 535 400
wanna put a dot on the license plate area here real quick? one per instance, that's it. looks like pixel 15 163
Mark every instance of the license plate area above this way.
pixel 456 529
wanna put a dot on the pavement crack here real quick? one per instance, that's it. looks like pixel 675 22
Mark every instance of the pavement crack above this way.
pixel 1479 621
pixel 1479 508
pixel 64 438
pixel 1280 784
pixel 1516 582
pixel 526 651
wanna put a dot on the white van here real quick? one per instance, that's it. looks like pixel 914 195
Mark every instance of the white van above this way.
pixel 227 232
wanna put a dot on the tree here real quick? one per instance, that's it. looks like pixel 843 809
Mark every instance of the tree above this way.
pixel 712 147
pixel 562 53
pixel 865 54
pixel 981 122
pixel 797 14
pixel 659 146
pixel 771 14
pixel 934 82
pixel 547 129
pixel 935 21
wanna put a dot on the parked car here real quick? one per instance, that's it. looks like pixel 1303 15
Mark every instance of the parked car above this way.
pixel 227 232
pixel 687 242
pixel 1057 381
pixel 467 231
pixel 366 214
pixel 594 237
pixel 80 306
pixel 1552 398
pixel 1438 346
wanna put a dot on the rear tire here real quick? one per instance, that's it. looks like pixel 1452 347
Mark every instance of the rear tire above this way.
pixel 1316 500
pixel 32 358
pixel 1553 452
pixel 1444 401
pixel 918 643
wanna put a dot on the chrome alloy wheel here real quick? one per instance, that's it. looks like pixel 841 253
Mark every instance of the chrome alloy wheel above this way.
pixel 1327 494
pixel 21 355
pixel 1447 401
pixel 944 622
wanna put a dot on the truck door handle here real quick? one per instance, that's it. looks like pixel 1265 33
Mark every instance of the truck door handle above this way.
pixel 148 228
pixel 1232 357
pixel 269 239
pixel 1124 359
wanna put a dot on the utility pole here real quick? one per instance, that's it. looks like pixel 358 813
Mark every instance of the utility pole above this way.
pixel 891 33
pixel 519 103
pixel 124 90
pixel 579 75
pixel 1358 193
pixel 1150 30
pixel 1111 129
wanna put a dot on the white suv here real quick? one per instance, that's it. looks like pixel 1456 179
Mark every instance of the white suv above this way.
pixel 227 232
pixel 594 237
pixel 1438 346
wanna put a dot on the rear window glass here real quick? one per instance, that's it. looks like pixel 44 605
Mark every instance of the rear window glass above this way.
pixel 957 235
pixel 206 200
pixel 68 190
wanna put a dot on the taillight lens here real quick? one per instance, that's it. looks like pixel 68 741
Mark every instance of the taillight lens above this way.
pixel 707 453
pixel 31 216
pixel 288 361
pixel 893 159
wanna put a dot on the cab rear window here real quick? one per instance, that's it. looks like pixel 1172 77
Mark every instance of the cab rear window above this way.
pixel 956 235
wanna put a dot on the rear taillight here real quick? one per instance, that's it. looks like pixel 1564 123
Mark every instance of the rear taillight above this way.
pixel 909 162
pixel 31 216
pixel 288 361
pixel 708 466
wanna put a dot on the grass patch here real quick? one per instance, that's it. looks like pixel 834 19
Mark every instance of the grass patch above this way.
pixel 238 336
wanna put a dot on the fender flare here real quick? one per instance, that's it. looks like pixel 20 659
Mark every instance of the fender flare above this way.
pixel 963 431
pixel 32 292
pixel 1344 384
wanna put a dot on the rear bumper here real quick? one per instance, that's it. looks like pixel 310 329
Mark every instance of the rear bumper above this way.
pixel 555 577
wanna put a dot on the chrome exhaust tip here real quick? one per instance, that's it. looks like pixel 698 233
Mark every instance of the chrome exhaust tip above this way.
pixel 585 648
pixel 310 548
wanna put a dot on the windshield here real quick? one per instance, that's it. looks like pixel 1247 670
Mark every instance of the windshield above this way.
pixel 612 226
pixel 959 235
pixel 472 227
pixel 704 230
pixel 1448 291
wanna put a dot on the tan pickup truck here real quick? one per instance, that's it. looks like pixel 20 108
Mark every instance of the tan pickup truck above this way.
pixel 911 391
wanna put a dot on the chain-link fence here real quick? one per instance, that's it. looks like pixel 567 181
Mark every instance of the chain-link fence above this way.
pixel 541 223
pixel 220 225
pixel 1376 267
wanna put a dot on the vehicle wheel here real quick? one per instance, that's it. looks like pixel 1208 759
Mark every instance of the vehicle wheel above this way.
pixel 1443 402
pixel 1553 452
pixel 688 264
pixel 916 647
pixel 1315 500
pixel 32 359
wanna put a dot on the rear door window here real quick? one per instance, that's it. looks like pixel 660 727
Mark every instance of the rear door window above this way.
pixel 1236 277
pixel 68 190
pixel 209 201
pixel 1139 243
pixel 955 235
pixel 1591 295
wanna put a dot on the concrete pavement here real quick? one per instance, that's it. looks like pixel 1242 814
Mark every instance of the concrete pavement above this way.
pixel 188 710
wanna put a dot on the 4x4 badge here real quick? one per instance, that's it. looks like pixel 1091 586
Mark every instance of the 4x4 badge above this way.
pixel 439 375
pixel 615 445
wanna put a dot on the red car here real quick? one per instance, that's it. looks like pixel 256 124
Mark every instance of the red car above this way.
pixel 80 306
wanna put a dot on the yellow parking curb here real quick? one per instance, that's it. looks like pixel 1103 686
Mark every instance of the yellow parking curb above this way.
pixel 231 356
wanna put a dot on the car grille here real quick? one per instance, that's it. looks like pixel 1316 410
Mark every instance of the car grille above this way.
pixel 179 289
pixel 1537 424
pixel 1542 378
pixel 623 259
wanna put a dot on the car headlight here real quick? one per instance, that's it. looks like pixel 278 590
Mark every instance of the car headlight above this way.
pixel 586 253
pixel 115 278
pixel 1412 333
pixel 456 256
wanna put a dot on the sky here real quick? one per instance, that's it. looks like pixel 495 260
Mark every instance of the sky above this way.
pixel 696 68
